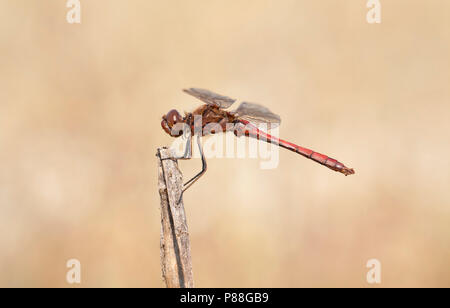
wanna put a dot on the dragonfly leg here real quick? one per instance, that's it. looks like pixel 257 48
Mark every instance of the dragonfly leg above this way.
pixel 197 176
pixel 187 152
pixel 188 149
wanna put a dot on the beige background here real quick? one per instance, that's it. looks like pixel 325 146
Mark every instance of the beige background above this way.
pixel 80 109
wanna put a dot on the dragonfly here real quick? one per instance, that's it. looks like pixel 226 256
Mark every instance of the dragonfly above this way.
pixel 243 121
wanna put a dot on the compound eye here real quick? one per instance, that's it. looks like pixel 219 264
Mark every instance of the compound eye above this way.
pixel 165 126
pixel 173 117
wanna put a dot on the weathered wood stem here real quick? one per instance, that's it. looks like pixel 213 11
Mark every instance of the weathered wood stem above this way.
pixel 175 248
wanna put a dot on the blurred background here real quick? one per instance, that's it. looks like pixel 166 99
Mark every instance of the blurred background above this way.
pixel 80 112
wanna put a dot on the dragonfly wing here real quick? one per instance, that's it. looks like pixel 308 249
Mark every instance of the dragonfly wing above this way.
pixel 210 98
pixel 257 114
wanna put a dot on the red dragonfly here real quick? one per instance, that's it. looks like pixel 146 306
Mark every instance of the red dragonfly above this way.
pixel 242 121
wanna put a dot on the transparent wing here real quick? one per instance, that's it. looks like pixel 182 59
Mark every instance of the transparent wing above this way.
pixel 257 114
pixel 210 98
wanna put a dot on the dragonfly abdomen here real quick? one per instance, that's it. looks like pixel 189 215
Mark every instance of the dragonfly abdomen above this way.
pixel 331 163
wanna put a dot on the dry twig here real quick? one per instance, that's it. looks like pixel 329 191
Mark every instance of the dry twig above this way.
pixel 176 260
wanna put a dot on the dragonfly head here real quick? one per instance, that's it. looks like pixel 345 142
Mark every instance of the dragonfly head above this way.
pixel 169 122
